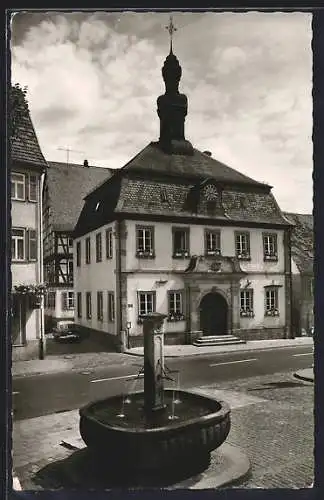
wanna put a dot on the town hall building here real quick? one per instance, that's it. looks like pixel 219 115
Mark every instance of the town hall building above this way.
pixel 178 232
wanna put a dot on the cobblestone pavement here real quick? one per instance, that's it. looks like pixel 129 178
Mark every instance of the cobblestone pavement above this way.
pixel 272 422
pixel 276 434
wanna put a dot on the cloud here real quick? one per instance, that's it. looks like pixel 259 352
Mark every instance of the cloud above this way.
pixel 93 80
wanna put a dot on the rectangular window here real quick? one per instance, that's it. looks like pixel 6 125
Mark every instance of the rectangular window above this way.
pixel 32 188
pixel 98 247
pixel 146 303
pixel 246 303
pixel 78 253
pixel 242 245
pixel 79 305
pixel 87 251
pixel 32 244
pixel 111 306
pixel 145 242
pixel 67 301
pixel 109 243
pixel 18 186
pixel 180 242
pixel 70 242
pixel 88 305
pixel 18 244
pixel 212 242
pixel 271 302
pixel 100 306
pixel 270 251
pixel 175 306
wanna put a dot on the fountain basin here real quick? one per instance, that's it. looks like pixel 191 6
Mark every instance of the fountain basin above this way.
pixel 125 436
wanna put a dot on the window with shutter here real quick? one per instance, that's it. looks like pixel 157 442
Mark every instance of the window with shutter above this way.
pixel 64 301
pixel 32 195
pixel 32 244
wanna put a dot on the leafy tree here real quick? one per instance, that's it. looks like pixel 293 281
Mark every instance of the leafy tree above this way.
pixel 18 108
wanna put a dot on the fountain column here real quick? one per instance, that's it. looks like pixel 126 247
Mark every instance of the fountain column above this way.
pixel 153 362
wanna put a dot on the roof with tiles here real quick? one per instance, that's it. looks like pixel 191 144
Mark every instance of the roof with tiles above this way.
pixel 198 165
pixel 151 194
pixel 67 186
pixel 25 147
pixel 302 241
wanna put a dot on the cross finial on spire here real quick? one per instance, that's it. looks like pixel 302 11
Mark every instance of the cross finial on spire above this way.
pixel 171 29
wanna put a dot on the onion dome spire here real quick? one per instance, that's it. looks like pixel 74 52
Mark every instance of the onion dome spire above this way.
pixel 172 106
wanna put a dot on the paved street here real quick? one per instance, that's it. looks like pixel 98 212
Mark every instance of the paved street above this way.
pixel 272 423
pixel 38 395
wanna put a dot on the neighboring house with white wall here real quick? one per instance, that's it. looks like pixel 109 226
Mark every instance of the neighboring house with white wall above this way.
pixel 64 189
pixel 302 250
pixel 27 165
pixel 177 232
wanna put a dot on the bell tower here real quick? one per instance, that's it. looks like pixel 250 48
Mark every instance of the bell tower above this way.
pixel 172 107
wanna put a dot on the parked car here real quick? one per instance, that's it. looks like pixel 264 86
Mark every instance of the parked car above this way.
pixel 66 332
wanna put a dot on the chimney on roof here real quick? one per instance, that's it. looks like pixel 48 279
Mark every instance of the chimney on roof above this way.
pixel 208 153
pixel 86 163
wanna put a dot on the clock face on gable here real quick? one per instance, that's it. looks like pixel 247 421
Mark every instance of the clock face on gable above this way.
pixel 210 192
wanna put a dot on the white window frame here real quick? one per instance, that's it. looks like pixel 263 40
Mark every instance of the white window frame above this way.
pixel 242 245
pixel 15 183
pixel 146 310
pixel 16 238
pixel 272 301
pixel 145 241
pixel 246 303
pixel 270 246
pixel 212 242
pixel 175 305
pixel 184 251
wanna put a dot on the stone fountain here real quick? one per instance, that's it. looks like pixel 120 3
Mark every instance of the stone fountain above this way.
pixel 158 429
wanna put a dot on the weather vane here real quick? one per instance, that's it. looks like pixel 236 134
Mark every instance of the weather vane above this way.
pixel 171 29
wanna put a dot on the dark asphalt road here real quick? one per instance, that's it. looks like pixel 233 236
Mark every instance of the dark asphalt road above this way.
pixel 45 394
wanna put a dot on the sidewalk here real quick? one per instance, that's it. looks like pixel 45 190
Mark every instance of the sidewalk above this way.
pixel 91 360
pixel 307 374
pixel 174 351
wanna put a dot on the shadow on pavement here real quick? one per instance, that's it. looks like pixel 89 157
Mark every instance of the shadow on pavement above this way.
pixel 81 471
pixel 85 346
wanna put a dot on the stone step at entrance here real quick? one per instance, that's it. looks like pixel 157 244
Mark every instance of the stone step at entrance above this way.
pixel 216 340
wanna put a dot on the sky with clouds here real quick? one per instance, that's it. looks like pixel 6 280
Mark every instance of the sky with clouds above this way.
pixel 93 80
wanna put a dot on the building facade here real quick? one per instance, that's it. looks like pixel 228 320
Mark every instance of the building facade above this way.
pixel 302 243
pixel 177 232
pixel 64 188
pixel 27 165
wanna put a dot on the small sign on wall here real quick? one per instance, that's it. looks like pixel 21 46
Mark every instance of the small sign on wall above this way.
pixel 130 306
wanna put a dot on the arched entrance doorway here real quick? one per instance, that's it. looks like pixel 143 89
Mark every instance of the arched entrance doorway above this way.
pixel 213 314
